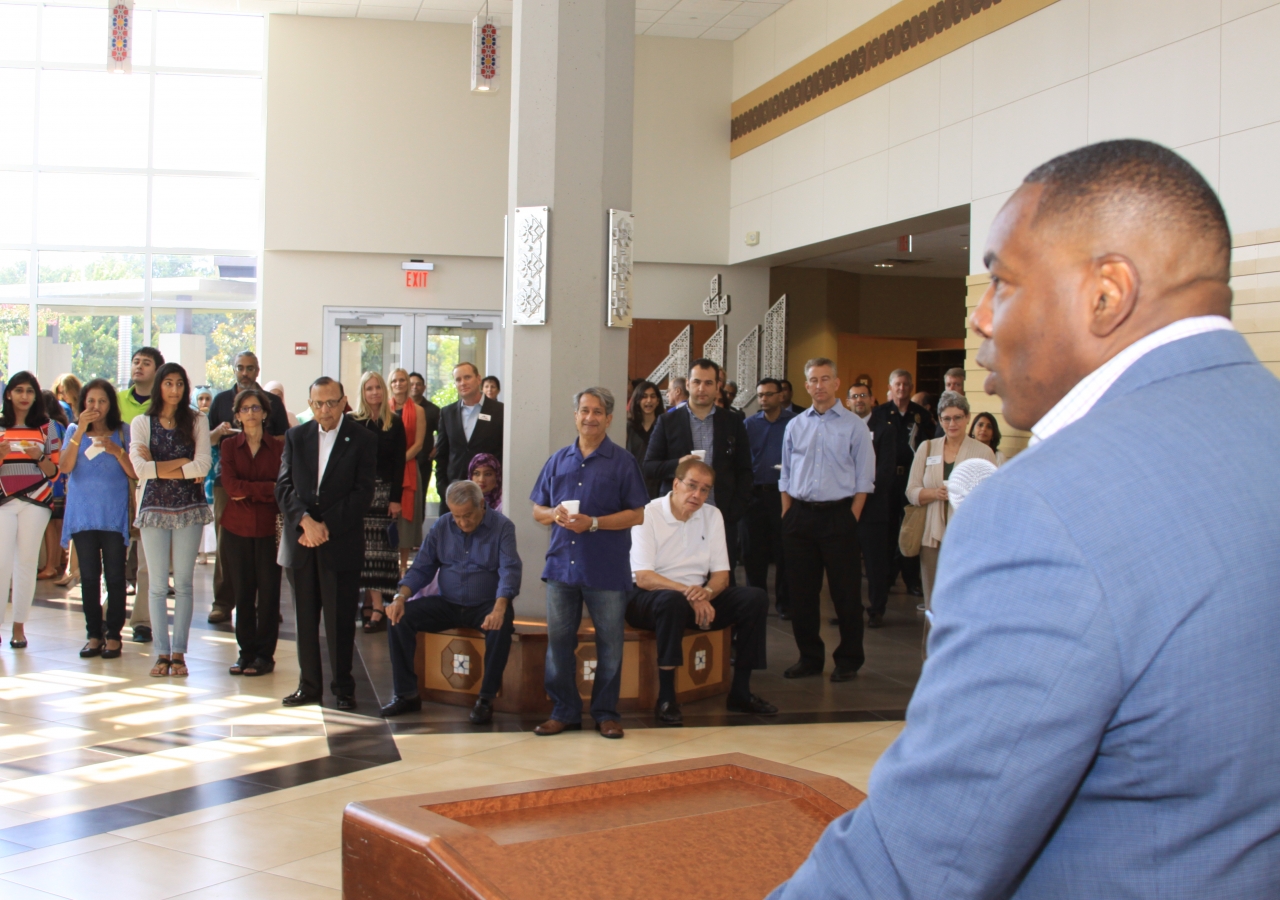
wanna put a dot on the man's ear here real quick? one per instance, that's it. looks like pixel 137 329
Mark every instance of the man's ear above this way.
pixel 1114 290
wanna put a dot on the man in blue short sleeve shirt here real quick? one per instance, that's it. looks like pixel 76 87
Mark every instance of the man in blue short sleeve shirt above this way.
pixel 588 561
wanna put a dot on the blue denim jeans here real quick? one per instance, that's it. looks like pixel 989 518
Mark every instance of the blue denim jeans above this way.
pixel 564 616
pixel 157 544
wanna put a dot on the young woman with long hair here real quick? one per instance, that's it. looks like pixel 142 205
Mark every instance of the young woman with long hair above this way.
pixel 96 523
pixel 28 463
pixel 642 413
pixel 381 571
pixel 170 452
pixel 54 564
pixel 413 498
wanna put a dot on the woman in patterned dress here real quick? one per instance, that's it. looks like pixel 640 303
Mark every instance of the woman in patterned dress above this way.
pixel 381 571
pixel 169 449
pixel 28 462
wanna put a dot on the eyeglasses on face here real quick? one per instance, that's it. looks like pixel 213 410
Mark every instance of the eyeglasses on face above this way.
pixel 952 420
pixel 702 490
pixel 325 404
pixel 250 408
pixel 765 395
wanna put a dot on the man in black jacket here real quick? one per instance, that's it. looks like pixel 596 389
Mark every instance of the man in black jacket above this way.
pixel 470 425
pixel 324 489
pixel 876 532
pixel 913 426
pixel 720 435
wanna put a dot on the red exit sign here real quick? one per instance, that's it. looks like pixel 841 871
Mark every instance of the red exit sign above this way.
pixel 415 279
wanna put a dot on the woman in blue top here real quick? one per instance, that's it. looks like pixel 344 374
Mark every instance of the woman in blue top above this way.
pixel 97 511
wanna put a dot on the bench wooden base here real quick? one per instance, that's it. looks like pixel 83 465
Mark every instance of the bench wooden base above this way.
pixel 450 667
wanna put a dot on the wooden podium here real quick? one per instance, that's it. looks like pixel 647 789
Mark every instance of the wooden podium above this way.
pixel 730 826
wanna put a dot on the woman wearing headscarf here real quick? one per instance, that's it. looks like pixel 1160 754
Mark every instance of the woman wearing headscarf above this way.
pixel 485 470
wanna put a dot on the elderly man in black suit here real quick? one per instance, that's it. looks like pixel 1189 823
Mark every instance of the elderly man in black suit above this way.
pixel 877 527
pixel 470 425
pixel 324 489
pixel 719 436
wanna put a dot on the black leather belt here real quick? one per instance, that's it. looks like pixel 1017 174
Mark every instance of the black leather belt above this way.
pixel 825 504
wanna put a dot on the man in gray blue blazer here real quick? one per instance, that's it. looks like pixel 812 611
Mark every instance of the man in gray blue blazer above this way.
pixel 1099 713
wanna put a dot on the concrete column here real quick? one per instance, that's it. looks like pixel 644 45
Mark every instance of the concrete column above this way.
pixel 572 65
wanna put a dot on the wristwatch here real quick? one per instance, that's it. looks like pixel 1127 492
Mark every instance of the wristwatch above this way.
pixel 595 524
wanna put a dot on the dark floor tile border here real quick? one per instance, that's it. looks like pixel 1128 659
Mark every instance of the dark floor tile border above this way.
pixel 510 724
pixel 355 743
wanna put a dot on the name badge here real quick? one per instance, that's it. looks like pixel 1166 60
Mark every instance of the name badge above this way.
pixel 485 417
pixel 932 460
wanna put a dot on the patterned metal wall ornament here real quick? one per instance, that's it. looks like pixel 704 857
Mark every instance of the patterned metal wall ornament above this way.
pixel 715 304
pixel 676 365
pixel 529 288
pixel 621 228
pixel 120 37
pixel 713 349
pixel 773 356
pixel 484 52
pixel 748 366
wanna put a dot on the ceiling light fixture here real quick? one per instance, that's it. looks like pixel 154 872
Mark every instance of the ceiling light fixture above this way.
pixel 484 52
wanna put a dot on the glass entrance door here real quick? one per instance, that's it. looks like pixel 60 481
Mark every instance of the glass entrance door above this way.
pixel 367 348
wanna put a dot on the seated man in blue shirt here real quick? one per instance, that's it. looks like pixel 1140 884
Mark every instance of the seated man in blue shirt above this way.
pixel 474 551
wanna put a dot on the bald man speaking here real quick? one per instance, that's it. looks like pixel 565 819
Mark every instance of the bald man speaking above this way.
pixel 1099 716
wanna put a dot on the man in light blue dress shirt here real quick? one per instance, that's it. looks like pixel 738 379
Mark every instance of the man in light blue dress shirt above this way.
pixel 1097 717
pixel 828 469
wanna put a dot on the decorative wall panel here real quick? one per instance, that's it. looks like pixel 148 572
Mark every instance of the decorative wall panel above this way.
pixel 621 229
pixel 713 349
pixel 773 357
pixel 529 290
pixel 676 365
pixel 715 304
pixel 748 367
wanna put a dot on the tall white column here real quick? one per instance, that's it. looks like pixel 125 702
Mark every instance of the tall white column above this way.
pixel 572 65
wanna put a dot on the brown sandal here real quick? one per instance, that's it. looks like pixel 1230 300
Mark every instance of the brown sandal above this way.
pixel 178 668
pixel 162 667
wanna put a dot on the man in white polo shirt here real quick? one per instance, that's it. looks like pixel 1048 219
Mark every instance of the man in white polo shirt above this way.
pixel 681 568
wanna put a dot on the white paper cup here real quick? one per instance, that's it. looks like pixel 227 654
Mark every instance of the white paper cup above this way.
pixel 699 454
pixel 571 506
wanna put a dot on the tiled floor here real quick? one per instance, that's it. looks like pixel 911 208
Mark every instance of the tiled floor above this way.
pixel 112 782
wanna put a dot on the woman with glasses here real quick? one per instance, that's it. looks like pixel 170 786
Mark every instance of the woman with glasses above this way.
pixel 927 486
pixel 96 523
pixel 28 463
pixel 169 449
pixel 381 571
pixel 250 464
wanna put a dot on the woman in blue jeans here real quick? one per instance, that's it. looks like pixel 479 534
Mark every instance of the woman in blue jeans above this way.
pixel 170 453
pixel 97 511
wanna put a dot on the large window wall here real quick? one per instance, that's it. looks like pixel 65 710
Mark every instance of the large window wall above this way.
pixel 130 205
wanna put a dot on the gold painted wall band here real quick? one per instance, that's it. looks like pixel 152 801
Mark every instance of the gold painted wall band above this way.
pixel 905 37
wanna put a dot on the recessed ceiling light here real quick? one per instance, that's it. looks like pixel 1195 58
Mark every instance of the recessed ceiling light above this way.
pixel 884 265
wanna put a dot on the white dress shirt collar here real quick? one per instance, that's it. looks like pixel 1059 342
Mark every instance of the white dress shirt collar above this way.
pixel 1090 389
pixel 327 440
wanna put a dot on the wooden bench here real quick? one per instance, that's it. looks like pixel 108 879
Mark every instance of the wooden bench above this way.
pixel 450 666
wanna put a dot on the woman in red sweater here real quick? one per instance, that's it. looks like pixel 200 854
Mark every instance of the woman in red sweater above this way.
pixel 250 463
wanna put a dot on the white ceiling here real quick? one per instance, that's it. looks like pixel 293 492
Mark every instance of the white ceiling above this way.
pixel 711 19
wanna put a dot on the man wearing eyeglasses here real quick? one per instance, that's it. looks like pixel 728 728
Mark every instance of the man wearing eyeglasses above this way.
pixel 324 489
pixel 763 520
pixel 222 423
pixel 681 568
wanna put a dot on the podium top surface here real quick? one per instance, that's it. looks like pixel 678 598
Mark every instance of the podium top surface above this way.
pixel 727 826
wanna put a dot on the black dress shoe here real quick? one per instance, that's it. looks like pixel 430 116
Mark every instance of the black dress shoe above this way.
pixel 482 712
pixel 142 634
pixel 668 714
pixel 399 706
pixel 875 620
pixel 346 704
pixel 108 653
pixel 843 675
pixel 755 705
pixel 88 650
pixel 803 669
pixel 301 698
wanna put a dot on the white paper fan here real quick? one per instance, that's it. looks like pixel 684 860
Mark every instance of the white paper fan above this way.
pixel 965 477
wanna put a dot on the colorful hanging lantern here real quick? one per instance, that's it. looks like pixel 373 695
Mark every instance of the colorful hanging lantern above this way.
pixel 120 37
pixel 484 53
